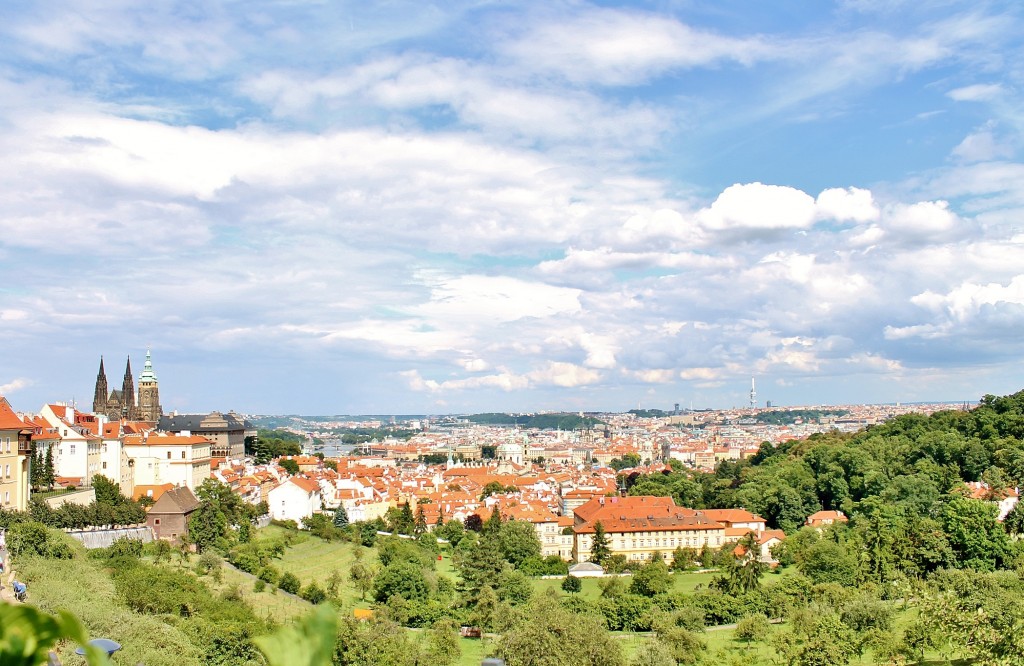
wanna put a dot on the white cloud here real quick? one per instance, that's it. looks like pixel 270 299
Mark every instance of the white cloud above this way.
pixel 468 298
pixel 979 92
pixel 565 375
pixel 14 385
pixel 920 219
pixel 983 145
pixel 967 300
pixel 850 204
pixel 474 365
pixel 759 206
pixel 615 47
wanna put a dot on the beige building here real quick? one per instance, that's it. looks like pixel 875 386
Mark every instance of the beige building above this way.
pixel 226 432
pixel 15 452
pixel 159 458
pixel 638 527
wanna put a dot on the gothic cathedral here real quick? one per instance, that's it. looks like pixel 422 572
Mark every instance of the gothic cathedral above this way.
pixel 121 404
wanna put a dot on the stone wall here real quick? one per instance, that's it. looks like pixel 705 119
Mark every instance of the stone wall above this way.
pixel 85 497
pixel 98 537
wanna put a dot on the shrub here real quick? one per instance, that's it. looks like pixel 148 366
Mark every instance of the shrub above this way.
pixel 125 547
pixel 258 585
pixel 313 594
pixel 232 593
pixel 290 583
pixel 269 575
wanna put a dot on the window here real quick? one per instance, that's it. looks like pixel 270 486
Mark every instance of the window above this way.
pixel 156 522
pixel 104 465
pixel 182 455
pixel 71 449
pixel 168 455
pixel 7 497
pixel 8 472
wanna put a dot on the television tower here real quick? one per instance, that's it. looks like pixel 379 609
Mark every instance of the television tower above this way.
pixel 753 394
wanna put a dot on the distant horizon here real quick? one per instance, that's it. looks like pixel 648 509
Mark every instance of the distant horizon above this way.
pixel 591 412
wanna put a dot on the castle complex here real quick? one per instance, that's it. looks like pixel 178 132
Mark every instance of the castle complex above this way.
pixel 122 404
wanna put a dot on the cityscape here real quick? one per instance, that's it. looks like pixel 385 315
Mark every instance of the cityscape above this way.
pixel 474 333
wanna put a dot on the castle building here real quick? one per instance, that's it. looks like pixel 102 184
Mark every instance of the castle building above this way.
pixel 121 404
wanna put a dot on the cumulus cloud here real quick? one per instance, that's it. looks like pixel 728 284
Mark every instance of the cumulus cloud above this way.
pixel 759 206
pixel 851 204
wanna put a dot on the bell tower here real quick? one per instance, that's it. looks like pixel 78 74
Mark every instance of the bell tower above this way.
pixel 149 393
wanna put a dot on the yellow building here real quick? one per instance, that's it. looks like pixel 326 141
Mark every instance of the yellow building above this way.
pixel 15 455
pixel 638 527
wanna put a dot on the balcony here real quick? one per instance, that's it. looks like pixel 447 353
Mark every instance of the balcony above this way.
pixel 24 444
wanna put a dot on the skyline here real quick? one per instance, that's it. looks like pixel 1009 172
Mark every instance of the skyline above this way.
pixel 322 208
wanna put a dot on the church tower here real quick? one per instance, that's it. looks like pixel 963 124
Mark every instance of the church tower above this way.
pixel 149 393
pixel 128 409
pixel 99 398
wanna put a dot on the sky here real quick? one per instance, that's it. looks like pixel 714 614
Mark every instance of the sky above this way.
pixel 404 207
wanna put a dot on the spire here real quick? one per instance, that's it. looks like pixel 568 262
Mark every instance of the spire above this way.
pixel 128 393
pixel 99 399
pixel 147 370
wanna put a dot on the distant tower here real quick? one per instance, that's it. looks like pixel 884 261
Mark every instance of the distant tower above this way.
pixel 99 399
pixel 128 409
pixel 753 394
pixel 149 393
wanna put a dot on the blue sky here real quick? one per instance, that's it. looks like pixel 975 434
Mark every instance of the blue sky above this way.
pixel 400 207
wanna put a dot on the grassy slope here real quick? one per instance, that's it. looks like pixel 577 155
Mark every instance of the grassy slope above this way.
pixel 84 588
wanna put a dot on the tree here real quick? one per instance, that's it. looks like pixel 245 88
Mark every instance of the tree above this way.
pixel 481 565
pixel 340 517
pixel 753 628
pixel 442 643
pixel 106 490
pixel 600 549
pixel 572 584
pixel 49 476
pixel 206 527
pixel 289 465
pixel 402 579
pixel 474 522
pixel 650 579
pixel 493 523
pixel 518 542
pixel 549 635
pixel 828 562
pixel 420 526
pixel 362 577
pixel 977 538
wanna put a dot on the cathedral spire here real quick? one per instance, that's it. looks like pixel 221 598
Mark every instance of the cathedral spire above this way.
pixel 99 398
pixel 128 410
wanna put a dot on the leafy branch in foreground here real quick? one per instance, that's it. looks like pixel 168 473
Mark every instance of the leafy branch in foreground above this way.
pixel 27 635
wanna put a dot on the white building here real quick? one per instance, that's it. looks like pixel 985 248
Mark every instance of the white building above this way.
pixel 295 499
pixel 183 460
